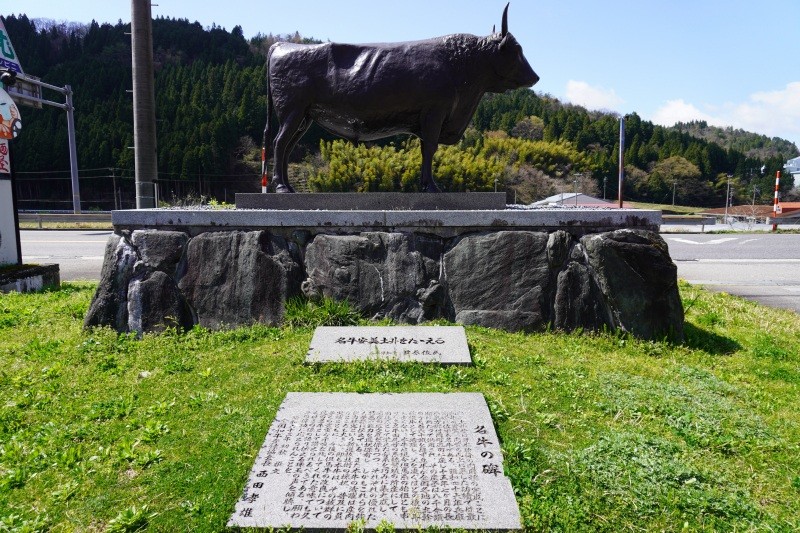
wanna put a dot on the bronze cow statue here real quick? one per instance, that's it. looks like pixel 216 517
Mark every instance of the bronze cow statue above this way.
pixel 364 92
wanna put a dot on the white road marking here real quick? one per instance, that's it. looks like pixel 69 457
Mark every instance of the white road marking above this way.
pixel 748 240
pixel 712 241
pixel 722 240
pixel 744 261
pixel 28 241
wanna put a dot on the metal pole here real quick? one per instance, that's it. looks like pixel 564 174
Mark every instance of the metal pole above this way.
pixel 727 198
pixel 674 185
pixel 15 207
pixel 114 186
pixel 575 189
pixel 144 107
pixel 621 157
pixel 775 201
pixel 73 152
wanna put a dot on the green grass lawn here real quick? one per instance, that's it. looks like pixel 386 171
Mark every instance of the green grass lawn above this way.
pixel 103 432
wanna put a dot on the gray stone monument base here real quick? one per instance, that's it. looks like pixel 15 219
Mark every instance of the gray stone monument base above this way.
pixel 377 201
pixel 511 269
pixel 424 344
pixel 414 460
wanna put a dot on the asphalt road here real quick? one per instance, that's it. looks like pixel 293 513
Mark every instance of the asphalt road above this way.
pixel 763 267
pixel 78 252
pixel 760 267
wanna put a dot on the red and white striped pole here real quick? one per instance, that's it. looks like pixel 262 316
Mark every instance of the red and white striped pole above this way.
pixel 263 170
pixel 775 201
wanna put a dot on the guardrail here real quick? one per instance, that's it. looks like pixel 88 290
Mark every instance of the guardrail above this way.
pixel 688 220
pixel 39 218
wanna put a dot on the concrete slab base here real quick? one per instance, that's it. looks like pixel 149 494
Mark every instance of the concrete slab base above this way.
pixel 577 222
pixel 29 278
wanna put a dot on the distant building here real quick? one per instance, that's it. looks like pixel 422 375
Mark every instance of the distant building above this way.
pixel 792 167
pixel 571 198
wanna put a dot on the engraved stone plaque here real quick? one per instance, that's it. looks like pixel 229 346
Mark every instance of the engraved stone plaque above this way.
pixel 414 460
pixel 427 344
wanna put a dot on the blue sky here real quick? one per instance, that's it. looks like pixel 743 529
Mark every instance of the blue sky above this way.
pixel 732 63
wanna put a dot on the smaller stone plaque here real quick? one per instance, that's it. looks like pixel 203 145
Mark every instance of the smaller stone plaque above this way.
pixel 426 344
pixel 415 460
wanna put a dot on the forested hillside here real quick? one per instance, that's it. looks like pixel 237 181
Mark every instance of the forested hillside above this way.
pixel 751 144
pixel 211 108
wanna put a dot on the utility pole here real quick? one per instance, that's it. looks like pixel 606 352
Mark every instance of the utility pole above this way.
pixel 144 105
pixel 575 188
pixel 727 198
pixel 674 185
pixel 621 157
pixel 114 186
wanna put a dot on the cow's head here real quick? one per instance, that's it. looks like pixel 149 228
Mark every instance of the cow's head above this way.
pixel 510 66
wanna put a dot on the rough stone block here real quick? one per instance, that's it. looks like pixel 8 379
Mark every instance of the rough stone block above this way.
pixel 109 304
pixel 499 277
pixel 380 274
pixel 155 303
pixel 232 280
pixel 638 281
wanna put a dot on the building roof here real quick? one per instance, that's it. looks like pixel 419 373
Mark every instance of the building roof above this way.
pixel 571 198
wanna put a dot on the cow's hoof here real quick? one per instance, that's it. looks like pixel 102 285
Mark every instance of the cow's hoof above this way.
pixel 283 188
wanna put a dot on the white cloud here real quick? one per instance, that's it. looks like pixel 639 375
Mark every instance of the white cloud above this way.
pixel 581 93
pixel 772 113
pixel 679 111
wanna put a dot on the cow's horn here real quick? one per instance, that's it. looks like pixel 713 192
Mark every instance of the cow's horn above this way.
pixel 493 29
pixel 504 26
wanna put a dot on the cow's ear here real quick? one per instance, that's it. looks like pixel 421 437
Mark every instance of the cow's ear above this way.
pixel 503 43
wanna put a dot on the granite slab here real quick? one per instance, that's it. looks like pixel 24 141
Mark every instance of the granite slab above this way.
pixel 425 344
pixel 389 201
pixel 414 460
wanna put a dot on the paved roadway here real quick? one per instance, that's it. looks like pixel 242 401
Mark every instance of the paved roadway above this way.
pixel 78 252
pixel 760 267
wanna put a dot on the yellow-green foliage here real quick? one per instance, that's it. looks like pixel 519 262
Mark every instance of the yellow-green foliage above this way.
pixel 357 167
pixel 549 157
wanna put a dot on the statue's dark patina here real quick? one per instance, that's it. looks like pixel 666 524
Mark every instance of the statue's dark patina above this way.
pixel 364 92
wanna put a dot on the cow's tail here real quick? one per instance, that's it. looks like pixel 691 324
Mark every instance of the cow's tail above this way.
pixel 267 137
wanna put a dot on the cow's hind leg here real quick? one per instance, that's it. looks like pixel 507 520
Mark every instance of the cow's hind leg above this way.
pixel 285 140
pixel 431 128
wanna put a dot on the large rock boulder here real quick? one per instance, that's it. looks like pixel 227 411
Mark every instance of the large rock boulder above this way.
pixel 638 282
pixel 109 305
pixel 155 303
pixel 160 250
pixel 233 279
pixel 380 274
pixel 499 279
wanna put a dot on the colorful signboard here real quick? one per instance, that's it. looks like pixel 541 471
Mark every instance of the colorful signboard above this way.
pixel 10 126
pixel 10 118
pixel 8 57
